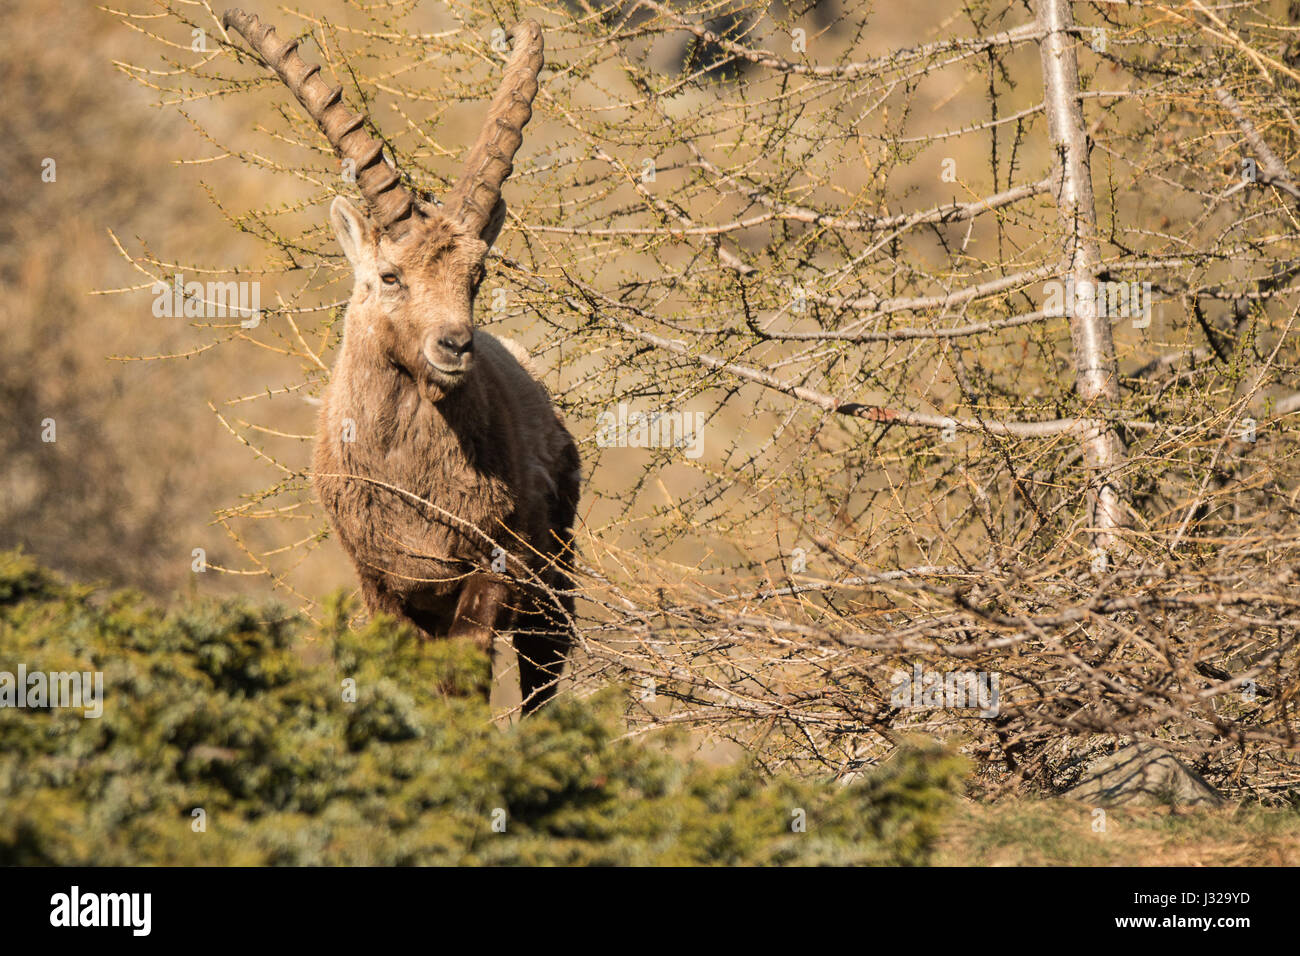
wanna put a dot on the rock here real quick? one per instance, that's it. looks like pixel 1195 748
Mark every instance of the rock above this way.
pixel 1144 774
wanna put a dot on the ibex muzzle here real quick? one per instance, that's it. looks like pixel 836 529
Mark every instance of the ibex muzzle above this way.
pixel 443 465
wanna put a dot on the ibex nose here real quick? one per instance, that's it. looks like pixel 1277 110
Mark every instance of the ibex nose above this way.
pixel 458 343
pixel 451 351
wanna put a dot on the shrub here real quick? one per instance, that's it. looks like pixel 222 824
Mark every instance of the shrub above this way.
pixel 241 712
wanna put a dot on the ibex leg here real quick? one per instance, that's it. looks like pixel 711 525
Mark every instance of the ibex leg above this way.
pixel 542 639
pixel 482 597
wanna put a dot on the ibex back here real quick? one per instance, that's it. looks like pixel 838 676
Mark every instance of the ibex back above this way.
pixel 445 469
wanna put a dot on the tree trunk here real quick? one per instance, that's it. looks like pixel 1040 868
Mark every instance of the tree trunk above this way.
pixel 1096 371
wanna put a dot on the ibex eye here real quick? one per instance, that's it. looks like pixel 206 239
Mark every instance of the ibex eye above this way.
pixel 389 278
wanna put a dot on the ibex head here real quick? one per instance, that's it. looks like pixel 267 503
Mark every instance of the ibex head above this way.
pixel 417 266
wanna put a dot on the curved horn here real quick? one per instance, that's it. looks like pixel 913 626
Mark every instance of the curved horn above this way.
pixel 391 203
pixel 489 163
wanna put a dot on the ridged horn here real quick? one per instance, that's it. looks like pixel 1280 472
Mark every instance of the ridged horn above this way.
pixel 391 204
pixel 490 161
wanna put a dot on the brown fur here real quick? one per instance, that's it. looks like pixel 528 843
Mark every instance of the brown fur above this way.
pixel 444 467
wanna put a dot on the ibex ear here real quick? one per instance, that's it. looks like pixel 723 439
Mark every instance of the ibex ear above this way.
pixel 351 227
pixel 494 223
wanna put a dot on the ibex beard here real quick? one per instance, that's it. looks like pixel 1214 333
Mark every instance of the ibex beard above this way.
pixel 441 461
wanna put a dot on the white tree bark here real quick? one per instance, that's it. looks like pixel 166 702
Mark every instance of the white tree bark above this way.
pixel 1096 371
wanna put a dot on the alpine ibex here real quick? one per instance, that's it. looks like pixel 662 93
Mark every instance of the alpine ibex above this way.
pixel 444 467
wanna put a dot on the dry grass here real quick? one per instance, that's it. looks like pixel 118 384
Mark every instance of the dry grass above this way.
pixel 1060 833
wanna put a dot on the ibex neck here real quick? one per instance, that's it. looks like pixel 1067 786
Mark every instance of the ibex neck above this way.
pixel 391 409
